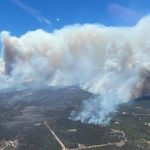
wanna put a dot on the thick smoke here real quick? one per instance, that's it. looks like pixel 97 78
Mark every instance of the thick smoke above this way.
pixel 111 62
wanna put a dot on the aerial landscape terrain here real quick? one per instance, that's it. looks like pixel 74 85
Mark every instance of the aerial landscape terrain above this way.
pixel 33 120
pixel 74 74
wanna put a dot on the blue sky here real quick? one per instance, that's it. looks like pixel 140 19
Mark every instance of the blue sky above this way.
pixel 20 16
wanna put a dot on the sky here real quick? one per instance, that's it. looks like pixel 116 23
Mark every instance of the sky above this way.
pixel 20 16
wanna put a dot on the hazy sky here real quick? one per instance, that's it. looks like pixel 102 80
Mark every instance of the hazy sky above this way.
pixel 19 16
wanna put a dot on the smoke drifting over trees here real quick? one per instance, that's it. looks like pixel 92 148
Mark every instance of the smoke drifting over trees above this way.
pixel 111 62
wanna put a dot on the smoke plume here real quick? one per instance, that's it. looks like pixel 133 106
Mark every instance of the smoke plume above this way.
pixel 111 62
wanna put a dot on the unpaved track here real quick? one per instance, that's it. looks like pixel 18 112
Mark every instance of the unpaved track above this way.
pixel 119 144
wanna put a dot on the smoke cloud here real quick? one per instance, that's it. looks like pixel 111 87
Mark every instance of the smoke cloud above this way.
pixel 111 62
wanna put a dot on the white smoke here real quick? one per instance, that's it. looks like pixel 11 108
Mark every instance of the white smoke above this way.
pixel 111 62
